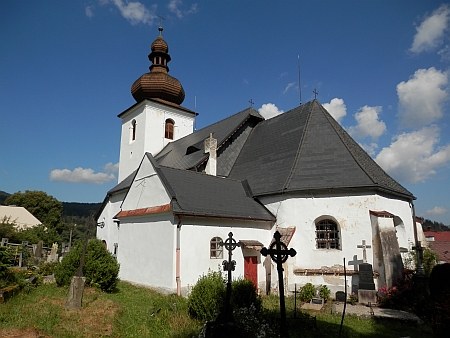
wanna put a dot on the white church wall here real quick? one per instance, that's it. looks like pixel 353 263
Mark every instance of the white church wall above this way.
pixel 196 235
pixel 352 215
pixel 146 190
pixel 110 230
pixel 146 250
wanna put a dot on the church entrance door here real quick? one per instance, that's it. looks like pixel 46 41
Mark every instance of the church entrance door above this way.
pixel 251 269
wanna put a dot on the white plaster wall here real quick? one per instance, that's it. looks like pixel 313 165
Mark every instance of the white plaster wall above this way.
pixel 147 189
pixel 146 250
pixel 352 215
pixel 195 238
pixel 150 127
pixel 110 232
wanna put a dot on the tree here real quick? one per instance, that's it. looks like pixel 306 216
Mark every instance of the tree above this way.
pixel 45 208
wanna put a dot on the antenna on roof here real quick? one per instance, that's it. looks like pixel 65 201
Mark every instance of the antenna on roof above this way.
pixel 161 18
pixel 299 83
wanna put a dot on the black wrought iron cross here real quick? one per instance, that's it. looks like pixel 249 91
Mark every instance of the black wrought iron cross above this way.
pixel 251 102
pixel 315 93
pixel 279 253
pixel 229 265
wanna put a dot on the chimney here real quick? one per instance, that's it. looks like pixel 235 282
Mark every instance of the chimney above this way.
pixel 211 147
pixel 429 228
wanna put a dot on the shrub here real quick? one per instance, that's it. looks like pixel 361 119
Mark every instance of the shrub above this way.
pixel 324 292
pixel 207 296
pixel 244 294
pixel 307 292
pixel 440 294
pixel 100 268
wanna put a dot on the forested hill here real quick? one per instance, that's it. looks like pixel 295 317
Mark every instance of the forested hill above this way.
pixel 69 208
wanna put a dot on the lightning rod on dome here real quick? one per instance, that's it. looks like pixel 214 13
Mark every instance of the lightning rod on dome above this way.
pixel 299 83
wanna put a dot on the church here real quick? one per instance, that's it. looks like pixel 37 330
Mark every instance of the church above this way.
pixel 181 192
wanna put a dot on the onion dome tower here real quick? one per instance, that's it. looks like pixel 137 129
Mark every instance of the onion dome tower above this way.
pixel 158 84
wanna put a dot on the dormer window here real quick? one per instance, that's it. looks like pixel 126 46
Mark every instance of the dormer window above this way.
pixel 169 129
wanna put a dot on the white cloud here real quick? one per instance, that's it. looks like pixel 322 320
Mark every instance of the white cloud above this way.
pixel 336 108
pixel 370 148
pixel 431 31
pixel 135 12
pixel 111 168
pixel 368 124
pixel 289 86
pixel 444 53
pixel 414 157
pixel 282 75
pixel 269 110
pixel 89 12
pixel 174 7
pixel 421 97
pixel 436 211
pixel 80 175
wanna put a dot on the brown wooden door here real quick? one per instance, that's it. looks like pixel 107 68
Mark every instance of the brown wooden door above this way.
pixel 251 269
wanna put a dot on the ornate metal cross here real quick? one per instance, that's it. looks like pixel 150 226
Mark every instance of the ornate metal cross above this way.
pixel 279 253
pixel 228 265
pixel 364 246
pixel 251 102
pixel 315 93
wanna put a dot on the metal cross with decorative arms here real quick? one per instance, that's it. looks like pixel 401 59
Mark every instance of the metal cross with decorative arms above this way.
pixel 228 265
pixel 251 102
pixel 364 247
pixel 315 93
pixel 279 253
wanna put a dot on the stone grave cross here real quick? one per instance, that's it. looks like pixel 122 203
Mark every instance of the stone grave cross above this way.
pixel 355 262
pixel 279 253
pixel 364 246
pixel 228 265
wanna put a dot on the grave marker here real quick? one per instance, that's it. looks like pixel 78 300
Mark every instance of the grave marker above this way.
pixel 279 253
pixel 229 265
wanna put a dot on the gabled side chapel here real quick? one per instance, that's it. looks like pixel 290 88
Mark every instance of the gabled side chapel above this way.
pixel 181 192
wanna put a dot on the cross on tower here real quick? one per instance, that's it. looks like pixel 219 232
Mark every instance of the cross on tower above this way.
pixel 364 247
pixel 251 102
pixel 229 265
pixel 315 93
pixel 279 253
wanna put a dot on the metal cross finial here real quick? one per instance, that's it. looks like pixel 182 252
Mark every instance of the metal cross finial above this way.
pixel 315 93
pixel 279 253
pixel 160 28
pixel 251 102
pixel 364 247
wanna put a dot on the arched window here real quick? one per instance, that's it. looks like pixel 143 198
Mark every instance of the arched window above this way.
pixel 133 130
pixel 216 250
pixel 169 129
pixel 327 234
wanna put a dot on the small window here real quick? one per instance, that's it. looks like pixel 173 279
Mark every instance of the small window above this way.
pixel 216 250
pixel 133 130
pixel 169 129
pixel 327 235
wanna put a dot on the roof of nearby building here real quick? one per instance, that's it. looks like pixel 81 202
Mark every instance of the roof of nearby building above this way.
pixel 19 216
pixel 439 236
pixel 442 249
pixel 305 149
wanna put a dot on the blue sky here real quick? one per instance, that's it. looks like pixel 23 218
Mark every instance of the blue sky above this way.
pixel 66 68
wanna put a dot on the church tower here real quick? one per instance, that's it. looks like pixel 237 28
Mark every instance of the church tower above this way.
pixel 157 117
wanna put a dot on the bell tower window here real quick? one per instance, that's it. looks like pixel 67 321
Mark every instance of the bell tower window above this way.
pixel 133 130
pixel 169 129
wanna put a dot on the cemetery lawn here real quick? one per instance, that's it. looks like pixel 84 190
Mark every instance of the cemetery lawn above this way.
pixel 139 312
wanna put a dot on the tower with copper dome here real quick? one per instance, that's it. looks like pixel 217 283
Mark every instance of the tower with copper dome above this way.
pixel 157 117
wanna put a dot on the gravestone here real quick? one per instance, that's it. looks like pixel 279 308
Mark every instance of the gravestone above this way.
pixel 5 241
pixel 317 299
pixel 366 290
pixel 53 257
pixel 75 293
pixel 38 252
pixel 340 296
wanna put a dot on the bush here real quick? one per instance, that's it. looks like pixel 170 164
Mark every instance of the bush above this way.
pixel 307 292
pixel 244 294
pixel 100 268
pixel 207 296
pixel 324 292
pixel 440 294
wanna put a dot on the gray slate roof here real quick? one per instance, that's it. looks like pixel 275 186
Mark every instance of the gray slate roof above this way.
pixel 200 194
pixel 188 152
pixel 305 149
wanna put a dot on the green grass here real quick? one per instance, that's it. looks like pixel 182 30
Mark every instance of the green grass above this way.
pixel 141 312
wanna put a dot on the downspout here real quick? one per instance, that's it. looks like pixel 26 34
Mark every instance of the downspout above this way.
pixel 177 255
pixel 418 247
